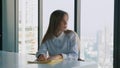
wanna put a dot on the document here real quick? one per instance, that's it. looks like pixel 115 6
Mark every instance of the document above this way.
pixel 46 62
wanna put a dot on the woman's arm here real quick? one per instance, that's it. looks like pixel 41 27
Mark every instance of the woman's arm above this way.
pixel 73 48
pixel 42 52
pixel 59 56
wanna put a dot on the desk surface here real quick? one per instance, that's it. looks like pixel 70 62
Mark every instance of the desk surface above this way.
pixel 15 60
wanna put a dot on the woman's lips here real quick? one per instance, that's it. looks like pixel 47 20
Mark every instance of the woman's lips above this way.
pixel 65 27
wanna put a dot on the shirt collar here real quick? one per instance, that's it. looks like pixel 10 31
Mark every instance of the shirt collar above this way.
pixel 60 36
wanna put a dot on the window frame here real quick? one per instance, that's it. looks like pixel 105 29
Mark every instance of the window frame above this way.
pixel 16 10
pixel 116 51
pixel 1 25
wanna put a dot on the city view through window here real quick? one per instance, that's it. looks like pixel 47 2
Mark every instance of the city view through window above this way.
pixel 96 33
pixel 28 26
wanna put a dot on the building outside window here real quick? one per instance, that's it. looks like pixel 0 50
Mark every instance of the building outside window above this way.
pixel 28 26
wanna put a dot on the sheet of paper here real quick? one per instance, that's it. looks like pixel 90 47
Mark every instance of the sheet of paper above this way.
pixel 45 62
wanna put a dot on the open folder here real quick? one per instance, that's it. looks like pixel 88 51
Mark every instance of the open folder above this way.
pixel 46 62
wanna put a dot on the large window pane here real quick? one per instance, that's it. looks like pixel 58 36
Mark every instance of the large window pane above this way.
pixel 50 5
pixel 28 26
pixel 97 31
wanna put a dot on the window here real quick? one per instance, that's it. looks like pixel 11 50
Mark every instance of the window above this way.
pixel 50 5
pixel 28 26
pixel 97 17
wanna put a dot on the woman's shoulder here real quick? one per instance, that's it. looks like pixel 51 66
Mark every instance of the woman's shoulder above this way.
pixel 70 33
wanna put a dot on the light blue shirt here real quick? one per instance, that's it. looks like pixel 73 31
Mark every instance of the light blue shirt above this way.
pixel 65 44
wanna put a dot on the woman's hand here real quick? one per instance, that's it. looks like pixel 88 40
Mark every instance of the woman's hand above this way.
pixel 42 58
pixel 59 56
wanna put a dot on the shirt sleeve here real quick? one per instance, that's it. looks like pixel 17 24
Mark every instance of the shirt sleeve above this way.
pixel 42 50
pixel 73 48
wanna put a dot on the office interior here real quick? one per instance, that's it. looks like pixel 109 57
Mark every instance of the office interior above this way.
pixel 24 23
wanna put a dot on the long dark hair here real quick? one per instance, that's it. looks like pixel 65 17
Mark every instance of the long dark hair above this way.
pixel 55 19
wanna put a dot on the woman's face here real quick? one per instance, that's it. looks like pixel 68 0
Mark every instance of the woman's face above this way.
pixel 63 23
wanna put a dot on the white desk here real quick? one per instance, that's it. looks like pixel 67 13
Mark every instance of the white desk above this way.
pixel 15 60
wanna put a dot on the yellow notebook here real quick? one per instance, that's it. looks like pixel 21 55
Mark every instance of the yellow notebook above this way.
pixel 46 62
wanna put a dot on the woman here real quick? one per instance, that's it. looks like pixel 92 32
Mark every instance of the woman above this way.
pixel 58 41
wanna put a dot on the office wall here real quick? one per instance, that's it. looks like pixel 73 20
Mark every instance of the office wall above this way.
pixel 8 7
